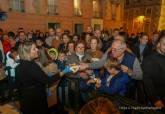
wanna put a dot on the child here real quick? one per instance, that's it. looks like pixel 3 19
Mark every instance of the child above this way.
pixel 12 58
pixel 57 63
pixel 61 61
pixel 113 81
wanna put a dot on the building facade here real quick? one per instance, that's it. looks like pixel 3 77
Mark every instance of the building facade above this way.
pixel 144 15
pixel 73 15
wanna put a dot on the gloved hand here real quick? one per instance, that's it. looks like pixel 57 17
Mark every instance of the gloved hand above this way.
pixel 50 74
pixel 67 70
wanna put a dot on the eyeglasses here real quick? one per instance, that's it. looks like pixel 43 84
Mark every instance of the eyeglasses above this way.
pixel 80 47
pixel 115 50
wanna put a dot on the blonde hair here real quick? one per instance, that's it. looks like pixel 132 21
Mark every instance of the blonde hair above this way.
pixel 24 50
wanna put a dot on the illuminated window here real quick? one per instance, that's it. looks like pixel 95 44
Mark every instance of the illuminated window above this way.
pixel 52 7
pixel 17 5
pixel 77 8
pixel 96 9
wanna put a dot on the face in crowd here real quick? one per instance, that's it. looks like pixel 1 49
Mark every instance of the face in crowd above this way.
pixel 65 38
pixel 80 48
pixel 97 33
pixel 33 52
pixel 161 46
pixel 51 32
pixel 144 40
pixel 118 48
pixel 22 37
pixel 115 33
pixel 58 32
pixel 155 37
pixel 89 30
pixel 94 44
pixel 71 47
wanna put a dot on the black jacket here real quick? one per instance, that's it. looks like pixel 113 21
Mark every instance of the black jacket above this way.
pixel 136 50
pixel 154 76
pixel 31 82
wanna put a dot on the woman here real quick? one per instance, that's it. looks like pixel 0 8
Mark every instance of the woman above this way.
pixel 87 40
pixel 142 49
pixel 31 82
pixel 63 46
pixel 95 53
pixel 70 47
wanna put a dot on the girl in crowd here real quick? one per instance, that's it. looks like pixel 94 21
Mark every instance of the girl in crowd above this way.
pixel 75 38
pixel 95 53
pixel 70 47
pixel 87 40
pixel 63 47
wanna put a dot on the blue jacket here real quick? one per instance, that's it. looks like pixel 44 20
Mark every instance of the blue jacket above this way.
pixel 60 64
pixel 117 84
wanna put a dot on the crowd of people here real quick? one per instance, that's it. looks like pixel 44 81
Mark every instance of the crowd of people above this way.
pixel 113 63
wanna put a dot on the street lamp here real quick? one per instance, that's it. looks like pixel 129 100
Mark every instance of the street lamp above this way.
pixel 141 19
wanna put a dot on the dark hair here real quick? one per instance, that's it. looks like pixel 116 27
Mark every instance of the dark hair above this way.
pixel 13 49
pixel 70 42
pixel 21 32
pixel 65 34
pixel 124 35
pixel 1 30
pixel 81 42
pixel 144 34
pixel 155 32
pixel 94 38
pixel 116 29
pixel 11 34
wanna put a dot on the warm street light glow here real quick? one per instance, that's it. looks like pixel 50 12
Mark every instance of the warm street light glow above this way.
pixel 140 18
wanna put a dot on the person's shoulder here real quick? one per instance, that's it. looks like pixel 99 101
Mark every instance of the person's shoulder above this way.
pixel 152 56
pixel 123 77
pixel 72 56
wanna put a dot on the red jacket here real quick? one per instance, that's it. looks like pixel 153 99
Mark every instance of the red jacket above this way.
pixel 6 46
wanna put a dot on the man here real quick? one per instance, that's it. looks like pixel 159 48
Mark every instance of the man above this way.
pixel 155 38
pixel 143 48
pixel 89 30
pixel 154 75
pixel 59 32
pixel 21 38
pixel 107 43
pixel 129 63
pixel 50 38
